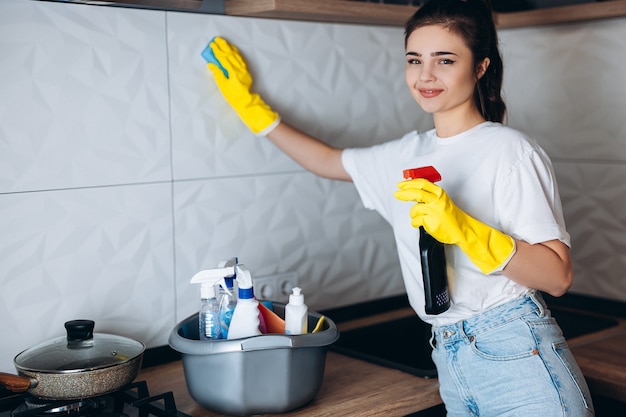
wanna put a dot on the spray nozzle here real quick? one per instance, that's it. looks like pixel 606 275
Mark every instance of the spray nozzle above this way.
pixel 230 263
pixel 244 281
pixel 211 277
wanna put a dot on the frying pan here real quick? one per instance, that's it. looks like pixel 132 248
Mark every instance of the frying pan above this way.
pixel 81 365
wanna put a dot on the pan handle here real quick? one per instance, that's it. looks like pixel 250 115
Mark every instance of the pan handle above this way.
pixel 17 383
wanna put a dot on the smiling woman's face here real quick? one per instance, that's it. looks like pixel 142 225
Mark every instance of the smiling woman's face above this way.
pixel 440 71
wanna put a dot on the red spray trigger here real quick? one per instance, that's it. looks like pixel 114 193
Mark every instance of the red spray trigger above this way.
pixel 429 173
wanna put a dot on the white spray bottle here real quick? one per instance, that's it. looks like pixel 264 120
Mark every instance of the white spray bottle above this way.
pixel 209 316
pixel 245 321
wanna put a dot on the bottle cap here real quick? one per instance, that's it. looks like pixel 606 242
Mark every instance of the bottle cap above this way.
pixel 207 290
pixel 245 293
pixel 296 297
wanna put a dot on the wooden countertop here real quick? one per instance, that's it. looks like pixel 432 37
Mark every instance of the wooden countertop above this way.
pixel 351 387
pixel 601 356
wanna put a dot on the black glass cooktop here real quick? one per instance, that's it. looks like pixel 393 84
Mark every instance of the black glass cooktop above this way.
pixel 403 343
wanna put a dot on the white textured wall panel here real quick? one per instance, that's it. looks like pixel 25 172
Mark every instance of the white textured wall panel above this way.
pixel 566 86
pixel 83 97
pixel 312 74
pixel 318 229
pixel 594 202
pixel 99 253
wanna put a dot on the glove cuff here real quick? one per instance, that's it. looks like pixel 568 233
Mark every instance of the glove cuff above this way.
pixel 258 116
pixel 269 128
pixel 493 253
pixel 506 260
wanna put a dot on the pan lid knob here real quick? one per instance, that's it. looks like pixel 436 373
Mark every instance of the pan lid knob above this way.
pixel 79 330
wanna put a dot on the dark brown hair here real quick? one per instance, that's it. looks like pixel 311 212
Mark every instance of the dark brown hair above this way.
pixel 473 21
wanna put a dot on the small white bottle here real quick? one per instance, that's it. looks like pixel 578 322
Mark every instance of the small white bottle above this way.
pixel 296 313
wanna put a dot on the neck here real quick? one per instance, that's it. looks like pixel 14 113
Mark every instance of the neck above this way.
pixel 452 123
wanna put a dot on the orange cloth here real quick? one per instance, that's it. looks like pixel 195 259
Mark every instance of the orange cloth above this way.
pixel 273 323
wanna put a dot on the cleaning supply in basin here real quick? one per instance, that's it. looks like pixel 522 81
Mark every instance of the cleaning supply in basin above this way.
pixel 245 321
pixel 296 313
pixel 274 324
pixel 319 324
pixel 432 255
pixel 269 374
pixel 210 327
pixel 227 298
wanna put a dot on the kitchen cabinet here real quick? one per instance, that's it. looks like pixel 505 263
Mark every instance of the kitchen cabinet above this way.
pixel 373 13
pixel 347 11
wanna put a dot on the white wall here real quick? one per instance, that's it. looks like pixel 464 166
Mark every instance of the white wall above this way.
pixel 123 171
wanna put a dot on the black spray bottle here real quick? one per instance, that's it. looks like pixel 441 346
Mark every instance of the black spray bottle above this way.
pixel 432 255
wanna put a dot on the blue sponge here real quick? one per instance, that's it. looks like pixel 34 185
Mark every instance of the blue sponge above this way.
pixel 210 58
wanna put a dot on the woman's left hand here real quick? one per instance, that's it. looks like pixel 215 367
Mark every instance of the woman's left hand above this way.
pixel 488 248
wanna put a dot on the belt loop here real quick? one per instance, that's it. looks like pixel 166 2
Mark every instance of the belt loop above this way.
pixel 538 300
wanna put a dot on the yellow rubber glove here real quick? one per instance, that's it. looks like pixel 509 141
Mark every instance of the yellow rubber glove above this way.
pixel 235 86
pixel 488 248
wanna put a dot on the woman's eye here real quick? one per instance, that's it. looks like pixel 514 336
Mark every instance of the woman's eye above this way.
pixel 413 61
pixel 446 61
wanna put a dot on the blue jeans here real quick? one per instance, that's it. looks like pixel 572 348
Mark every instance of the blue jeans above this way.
pixel 509 361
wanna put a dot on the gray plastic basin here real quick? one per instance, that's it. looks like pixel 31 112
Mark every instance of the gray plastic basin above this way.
pixel 271 373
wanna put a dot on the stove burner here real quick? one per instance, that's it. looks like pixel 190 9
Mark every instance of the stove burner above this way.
pixel 132 400
pixel 70 407
pixel 85 407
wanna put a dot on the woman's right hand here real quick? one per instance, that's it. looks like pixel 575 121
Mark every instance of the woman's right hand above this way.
pixel 235 83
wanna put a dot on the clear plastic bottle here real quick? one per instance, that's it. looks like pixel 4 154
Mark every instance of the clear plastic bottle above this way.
pixel 227 302
pixel 209 316
pixel 296 313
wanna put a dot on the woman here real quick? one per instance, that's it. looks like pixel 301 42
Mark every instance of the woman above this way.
pixel 497 208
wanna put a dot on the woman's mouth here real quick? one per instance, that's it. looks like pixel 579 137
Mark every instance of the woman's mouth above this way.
pixel 429 93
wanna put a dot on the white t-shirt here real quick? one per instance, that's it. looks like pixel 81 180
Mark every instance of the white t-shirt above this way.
pixel 494 173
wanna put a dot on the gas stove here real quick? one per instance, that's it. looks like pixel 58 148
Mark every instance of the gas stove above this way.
pixel 133 400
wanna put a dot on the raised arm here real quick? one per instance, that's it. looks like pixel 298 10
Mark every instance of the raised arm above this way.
pixel 235 83
pixel 312 154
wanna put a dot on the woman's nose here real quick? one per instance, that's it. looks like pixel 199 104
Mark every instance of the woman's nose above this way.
pixel 427 73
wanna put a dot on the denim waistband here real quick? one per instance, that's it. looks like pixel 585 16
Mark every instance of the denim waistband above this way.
pixel 494 317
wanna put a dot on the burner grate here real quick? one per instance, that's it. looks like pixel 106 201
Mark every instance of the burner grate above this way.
pixel 161 405
pixel 132 400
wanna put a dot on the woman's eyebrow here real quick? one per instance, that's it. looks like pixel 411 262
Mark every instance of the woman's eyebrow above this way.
pixel 438 53
pixel 442 53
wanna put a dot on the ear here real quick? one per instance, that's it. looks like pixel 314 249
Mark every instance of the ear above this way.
pixel 481 68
